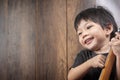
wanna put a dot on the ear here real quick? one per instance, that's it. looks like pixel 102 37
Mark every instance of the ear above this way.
pixel 108 30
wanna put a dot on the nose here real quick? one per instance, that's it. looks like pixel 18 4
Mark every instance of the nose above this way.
pixel 85 33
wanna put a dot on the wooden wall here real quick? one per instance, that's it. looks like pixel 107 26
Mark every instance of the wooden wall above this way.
pixel 37 38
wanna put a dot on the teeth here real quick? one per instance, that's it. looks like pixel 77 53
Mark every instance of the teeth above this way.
pixel 87 41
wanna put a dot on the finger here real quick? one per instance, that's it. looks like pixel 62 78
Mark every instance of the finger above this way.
pixel 102 57
pixel 101 65
pixel 114 39
pixel 117 35
pixel 115 43
pixel 102 61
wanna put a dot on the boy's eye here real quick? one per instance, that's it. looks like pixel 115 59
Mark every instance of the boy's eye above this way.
pixel 89 27
pixel 79 33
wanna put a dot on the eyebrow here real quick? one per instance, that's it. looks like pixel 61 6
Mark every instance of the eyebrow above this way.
pixel 84 25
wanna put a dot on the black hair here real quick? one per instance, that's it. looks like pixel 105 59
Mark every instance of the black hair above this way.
pixel 98 15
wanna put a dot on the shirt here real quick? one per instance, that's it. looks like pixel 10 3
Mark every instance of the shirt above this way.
pixel 93 73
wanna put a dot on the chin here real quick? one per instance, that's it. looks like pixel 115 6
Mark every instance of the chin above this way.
pixel 90 49
pixel 93 48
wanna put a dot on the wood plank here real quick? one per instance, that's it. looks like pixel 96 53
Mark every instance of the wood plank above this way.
pixel 51 40
pixel 36 39
pixel 21 40
pixel 3 41
pixel 73 8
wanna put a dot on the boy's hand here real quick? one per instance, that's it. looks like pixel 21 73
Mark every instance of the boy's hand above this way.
pixel 115 44
pixel 97 61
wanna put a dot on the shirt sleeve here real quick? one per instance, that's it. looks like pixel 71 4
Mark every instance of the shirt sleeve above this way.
pixel 78 60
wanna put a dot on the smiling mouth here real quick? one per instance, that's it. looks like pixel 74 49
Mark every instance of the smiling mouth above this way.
pixel 89 40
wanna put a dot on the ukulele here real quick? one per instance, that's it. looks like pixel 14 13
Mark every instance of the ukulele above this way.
pixel 106 71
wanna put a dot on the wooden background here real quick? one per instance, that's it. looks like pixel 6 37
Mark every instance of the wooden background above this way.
pixel 37 38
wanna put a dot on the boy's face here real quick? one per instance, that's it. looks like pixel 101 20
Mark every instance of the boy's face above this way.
pixel 91 35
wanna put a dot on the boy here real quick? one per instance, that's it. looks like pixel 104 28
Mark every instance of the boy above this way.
pixel 96 29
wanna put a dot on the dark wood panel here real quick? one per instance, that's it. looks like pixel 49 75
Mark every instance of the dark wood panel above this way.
pixel 51 52
pixel 21 40
pixel 38 41
pixel 3 41
pixel 73 8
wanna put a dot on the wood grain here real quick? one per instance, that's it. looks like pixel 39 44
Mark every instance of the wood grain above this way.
pixel 21 40
pixel 51 54
pixel 38 41
pixel 73 8
pixel 3 41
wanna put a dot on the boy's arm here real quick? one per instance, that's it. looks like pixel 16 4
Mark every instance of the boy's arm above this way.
pixel 79 71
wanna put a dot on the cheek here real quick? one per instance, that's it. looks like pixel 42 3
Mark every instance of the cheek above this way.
pixel 80 41
pixel 97 33
pixel 94 31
